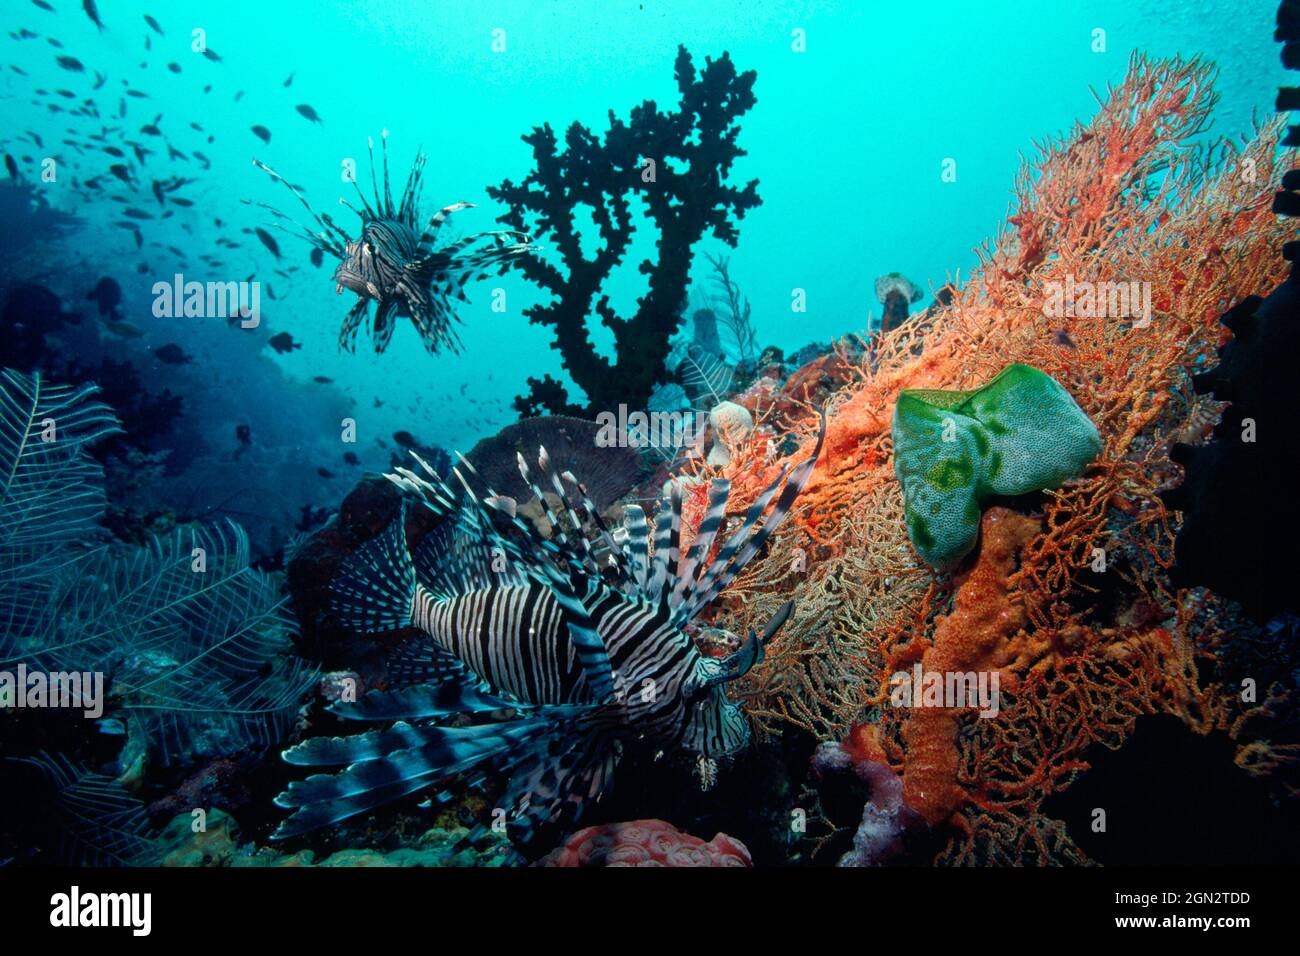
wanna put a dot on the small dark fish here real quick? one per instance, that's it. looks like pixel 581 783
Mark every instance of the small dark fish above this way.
pixel 182 201
pixel 317 257
pixel 173 354
pixel 325 473
pixel 153 25
pixel 283 342
pixel 138 94
pixel 107 295
pixel 93 12
pixel 1062 338
pixel 308 112
pixel 43 5
pixel 351 458
pixel 269 241
pixel 133 213
pixel 151 129
pixel 211 55
pixel 245 434
pixel 262 133
pixel 174 67
pixel 12 166
pixel 121 172
pixel 100 80
pixel 323 379
pixel 114 151
pixel 71 64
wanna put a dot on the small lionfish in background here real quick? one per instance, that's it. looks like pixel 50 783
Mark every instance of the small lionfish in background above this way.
pixel 582 639
pixel 395 265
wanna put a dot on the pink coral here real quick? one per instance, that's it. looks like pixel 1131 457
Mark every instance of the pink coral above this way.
pixel 645 843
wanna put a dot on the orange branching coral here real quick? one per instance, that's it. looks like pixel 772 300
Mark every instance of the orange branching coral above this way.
pixel 1123 249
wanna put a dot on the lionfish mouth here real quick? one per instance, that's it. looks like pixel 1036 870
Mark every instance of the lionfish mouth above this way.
pixel 345 278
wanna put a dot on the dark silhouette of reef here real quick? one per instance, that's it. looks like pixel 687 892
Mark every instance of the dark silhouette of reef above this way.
pixel 1241 516
pixel 1160 789
pixel 677 163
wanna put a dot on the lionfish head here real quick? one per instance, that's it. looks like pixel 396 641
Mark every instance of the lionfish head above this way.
pixel 372 264
pixel 715 725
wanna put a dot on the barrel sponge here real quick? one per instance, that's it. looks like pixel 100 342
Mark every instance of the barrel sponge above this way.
pixel 953 451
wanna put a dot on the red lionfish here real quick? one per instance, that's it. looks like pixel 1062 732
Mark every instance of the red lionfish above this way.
pixel 395 265
pixel 581 638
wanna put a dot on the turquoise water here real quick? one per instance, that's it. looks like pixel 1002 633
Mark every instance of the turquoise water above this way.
pixel 848 140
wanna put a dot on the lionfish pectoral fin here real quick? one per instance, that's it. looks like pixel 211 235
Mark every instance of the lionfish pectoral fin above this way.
pixel 550 796
pixel 383 324
pixel 351 323
pixel 389 765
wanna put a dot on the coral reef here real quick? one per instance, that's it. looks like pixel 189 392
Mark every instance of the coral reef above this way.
pixel 676 162
pixel 1101 636
pixel 1021 432
pixel 645 843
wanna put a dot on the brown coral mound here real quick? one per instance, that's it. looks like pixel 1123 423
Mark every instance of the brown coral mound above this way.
pixel 1099 634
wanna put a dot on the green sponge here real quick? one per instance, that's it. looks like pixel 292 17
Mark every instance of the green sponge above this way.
pixel 1021 432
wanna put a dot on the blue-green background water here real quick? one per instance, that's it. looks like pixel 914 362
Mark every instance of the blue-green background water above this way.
pixel 847 141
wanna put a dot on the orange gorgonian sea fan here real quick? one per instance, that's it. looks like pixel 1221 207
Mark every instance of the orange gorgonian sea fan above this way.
pixel 1125 244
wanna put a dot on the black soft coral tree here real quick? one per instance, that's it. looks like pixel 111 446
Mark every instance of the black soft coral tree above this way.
pixel 678 164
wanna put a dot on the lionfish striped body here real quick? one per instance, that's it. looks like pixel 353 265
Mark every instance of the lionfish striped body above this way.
pixel 572 646
pixel 395 265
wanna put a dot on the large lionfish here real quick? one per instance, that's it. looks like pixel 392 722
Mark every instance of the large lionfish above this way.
pixel 581 639
pixel 395 265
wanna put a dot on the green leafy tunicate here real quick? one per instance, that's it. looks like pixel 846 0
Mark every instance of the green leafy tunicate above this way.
pixel 953 451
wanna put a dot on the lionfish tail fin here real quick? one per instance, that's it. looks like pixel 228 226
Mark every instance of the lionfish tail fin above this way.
pixel 374 589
